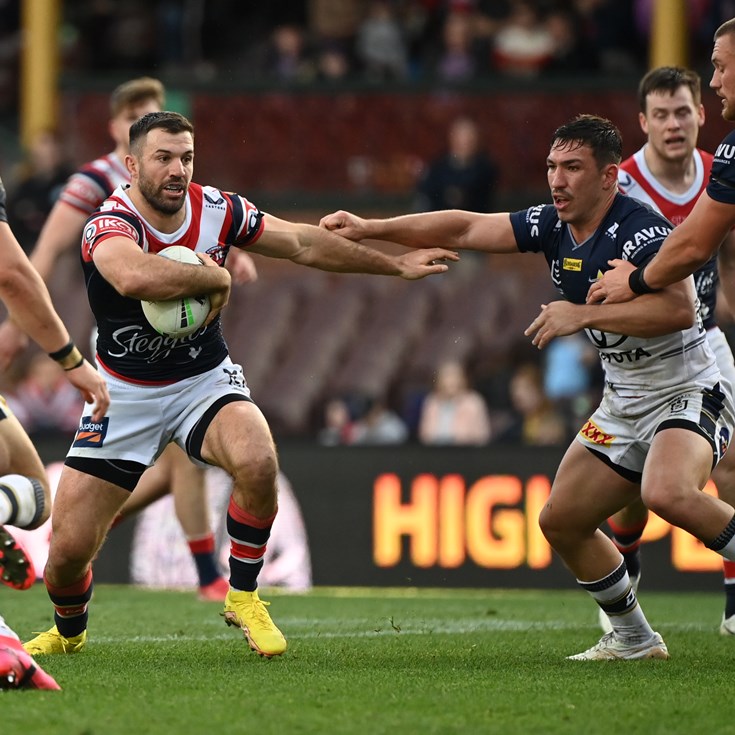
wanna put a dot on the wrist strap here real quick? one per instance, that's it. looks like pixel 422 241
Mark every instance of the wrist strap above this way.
pixel 69 356
pixel 637 283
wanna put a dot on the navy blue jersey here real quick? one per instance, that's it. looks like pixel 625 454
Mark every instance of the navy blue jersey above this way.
pixel 630 231
pixel 636 180
pixel 721 185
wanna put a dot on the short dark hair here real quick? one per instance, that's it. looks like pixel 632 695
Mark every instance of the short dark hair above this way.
pixel 171 122
pixel 726 28
pixel 134 92
pixel 596 132
pixel 669 79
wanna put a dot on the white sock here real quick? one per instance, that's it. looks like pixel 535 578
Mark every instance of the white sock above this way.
pixel 21 500
pixel 627 619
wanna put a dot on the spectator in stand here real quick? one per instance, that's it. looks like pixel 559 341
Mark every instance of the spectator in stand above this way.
pixel 537 422
pixel 333 64
pixel 458 60
pixel 453 413
pixel 337 428
pixel 380 44
pixel 464 177
pixel 287 58
pixel 572 379
pixel 524 45
pixel 377 424
pixel 36 187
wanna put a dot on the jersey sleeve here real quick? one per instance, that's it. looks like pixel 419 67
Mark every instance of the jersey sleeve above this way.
pixel 102 226
pixel 641 236
pixel 721 186
pixel 247 221
pixel 85 191
pixel 530 227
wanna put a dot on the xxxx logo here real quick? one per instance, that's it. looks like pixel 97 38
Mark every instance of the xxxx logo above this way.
pixel 592 432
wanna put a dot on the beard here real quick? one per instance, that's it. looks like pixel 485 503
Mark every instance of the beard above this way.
pixel 156 198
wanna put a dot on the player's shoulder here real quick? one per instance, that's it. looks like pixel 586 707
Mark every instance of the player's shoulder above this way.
pixel 725 152
pixel 211 196
pixel 629 208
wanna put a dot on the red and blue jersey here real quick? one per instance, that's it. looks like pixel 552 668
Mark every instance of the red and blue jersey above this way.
pixel 127 345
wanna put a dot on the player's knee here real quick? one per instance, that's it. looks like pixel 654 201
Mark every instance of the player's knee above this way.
pixel 72 550
pixel 256 470
pixel 551 525
pixel 668 500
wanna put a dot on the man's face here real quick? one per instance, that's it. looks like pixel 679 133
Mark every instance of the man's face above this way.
pixel 164 169
pixel 577 184
pixel 672 123
pixel 723 77
pixel 120 124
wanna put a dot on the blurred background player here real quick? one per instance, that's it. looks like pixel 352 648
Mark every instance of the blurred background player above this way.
pixel 60 236
pixel 25 498
pixel 669 173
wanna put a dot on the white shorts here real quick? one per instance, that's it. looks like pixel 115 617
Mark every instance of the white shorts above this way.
pixel 143 419
pixel 621 430
pixel 723 355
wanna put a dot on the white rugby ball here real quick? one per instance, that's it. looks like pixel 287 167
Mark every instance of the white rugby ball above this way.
pixel 177 317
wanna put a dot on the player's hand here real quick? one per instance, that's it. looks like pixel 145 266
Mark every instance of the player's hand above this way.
pixel 92 386
pixel 12 342
pixel 241 266
pixel 217 299
pixel 613 287
pixel 557 319
pixel 421 263
pixel 346 224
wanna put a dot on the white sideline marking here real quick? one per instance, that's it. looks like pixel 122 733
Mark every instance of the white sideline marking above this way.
pixel 385 630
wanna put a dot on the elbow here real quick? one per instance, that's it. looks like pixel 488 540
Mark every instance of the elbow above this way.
pixel 130 286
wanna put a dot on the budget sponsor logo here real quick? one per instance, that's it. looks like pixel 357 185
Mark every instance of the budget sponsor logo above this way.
pixel 91 433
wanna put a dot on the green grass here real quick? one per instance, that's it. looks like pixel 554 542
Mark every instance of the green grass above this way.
pixel 372 662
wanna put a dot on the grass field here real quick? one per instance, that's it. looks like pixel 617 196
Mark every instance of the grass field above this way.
pixel 374 661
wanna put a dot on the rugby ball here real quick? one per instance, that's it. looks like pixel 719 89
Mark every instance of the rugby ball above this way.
pixel 177 317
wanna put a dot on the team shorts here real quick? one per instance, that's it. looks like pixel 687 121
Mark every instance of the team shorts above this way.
pixel 723 355
pixel 621 430
pixel 143 419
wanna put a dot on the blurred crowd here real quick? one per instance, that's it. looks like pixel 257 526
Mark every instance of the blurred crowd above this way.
pixel 305 41
pixel 433 40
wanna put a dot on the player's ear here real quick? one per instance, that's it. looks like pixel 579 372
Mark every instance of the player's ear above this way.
pixel 643 122
pixel 610 176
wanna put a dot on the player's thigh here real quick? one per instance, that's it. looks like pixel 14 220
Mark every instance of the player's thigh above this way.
pixel 679 462
pixel 585 492
pixel 17 453
pixel 84 507
pixel 239 440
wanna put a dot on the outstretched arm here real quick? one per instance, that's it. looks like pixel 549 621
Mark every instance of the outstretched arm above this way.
pixel 451 228
pixel 318 248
